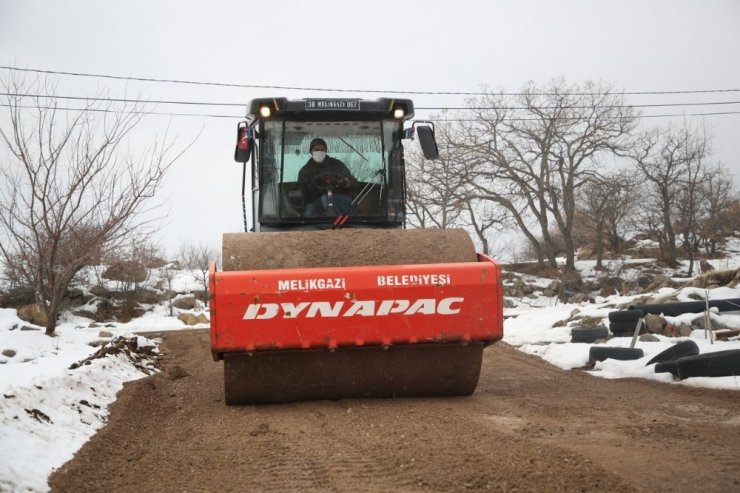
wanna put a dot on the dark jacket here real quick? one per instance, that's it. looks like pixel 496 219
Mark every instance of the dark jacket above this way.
pixel 313 189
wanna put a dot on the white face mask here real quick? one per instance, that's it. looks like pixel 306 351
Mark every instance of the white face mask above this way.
pixel 318 156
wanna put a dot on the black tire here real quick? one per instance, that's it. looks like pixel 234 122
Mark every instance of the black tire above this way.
pixel 623 326
pixel 678 350
pixel 626 316
pixel 588 334
pixel 625 329
pixel 600 353
pixel 717 364
pixel 679 308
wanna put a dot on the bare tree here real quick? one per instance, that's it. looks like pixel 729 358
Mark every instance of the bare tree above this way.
pixel 531 156
pixel 690 196
pixel 667 158
pixel 483 218
pixel 605 202
pixel 197 257
pixel 69 191
pixel 433 189
pixel 718 217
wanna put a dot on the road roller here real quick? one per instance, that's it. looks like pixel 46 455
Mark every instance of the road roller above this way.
pixel 326 294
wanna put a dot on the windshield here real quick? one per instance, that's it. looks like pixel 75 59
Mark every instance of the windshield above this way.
pixel 359 145
pixel 364 147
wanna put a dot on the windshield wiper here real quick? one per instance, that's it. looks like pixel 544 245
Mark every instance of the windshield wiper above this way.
pixel 358 152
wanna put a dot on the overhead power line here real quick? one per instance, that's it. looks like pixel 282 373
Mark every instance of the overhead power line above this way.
pixel 429 108
pixel 205 115
pixel 324 89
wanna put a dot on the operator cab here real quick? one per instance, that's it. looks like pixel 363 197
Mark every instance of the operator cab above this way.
pixel 364 135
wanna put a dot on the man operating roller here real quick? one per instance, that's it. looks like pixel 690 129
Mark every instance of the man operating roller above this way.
pixel 325 183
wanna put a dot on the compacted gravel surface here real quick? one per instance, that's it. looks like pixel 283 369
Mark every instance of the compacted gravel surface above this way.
pixel 528 427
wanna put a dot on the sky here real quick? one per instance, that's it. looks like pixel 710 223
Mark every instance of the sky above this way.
pixel 48 410
pixel 416 45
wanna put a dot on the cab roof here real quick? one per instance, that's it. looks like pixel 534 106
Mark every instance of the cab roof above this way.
pixel 330 109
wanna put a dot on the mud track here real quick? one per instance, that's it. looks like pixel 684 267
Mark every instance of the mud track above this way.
pixel 528 427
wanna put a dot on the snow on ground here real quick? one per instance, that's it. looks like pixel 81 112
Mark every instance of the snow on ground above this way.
pixel 48 411
pixel 533 331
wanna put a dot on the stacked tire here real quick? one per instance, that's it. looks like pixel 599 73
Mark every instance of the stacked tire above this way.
pixel 623 323
pixel 583 333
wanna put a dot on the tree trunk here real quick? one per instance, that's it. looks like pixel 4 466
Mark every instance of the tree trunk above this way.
pixel 599 247
pixel 670 235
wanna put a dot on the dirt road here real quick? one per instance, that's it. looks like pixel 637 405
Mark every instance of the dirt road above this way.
pixel 528 427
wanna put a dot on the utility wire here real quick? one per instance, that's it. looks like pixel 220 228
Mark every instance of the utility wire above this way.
pixel 114 111
pixel 204 115
pixel 431 108
pixel 323 89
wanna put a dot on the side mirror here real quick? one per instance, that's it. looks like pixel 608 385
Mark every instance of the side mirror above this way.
pixel 244 142
pixel 427 140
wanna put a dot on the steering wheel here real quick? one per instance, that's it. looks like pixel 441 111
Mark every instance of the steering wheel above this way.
pixel 329 180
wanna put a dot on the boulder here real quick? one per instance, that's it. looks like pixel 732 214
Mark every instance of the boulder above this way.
pixel 33 313
pixel 648 338
pixel 571 284
pixel 580 298
pixel 202 319
pixel 126 271
pixel 185 302
pixel 100 291
pixel 188 318
pixel 654 324
pixel 684 330
pixel 607 291
pixel 8 353
pixel 705 266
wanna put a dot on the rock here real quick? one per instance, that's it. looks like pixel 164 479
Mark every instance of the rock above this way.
pixel 684 330
pixel 654 324
pixel 554 286
pixel 508 303
pixel 33 313
pixel 705 266
pixel 105 333
pixel 512 292
pixel 185 302
pixel 571 284
pixel 644 281
pixel 26 328
pixel 9 353
pixel 126 271
pixel 649 338
pixel 76 295
pixel 660 282
pixel 580 298
pixel 670 330
pixel 574 312
pixel 549 293
pixel 188 318
pixel 100 292
pixel 202 319
pixel 607 291
pixel 700 323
